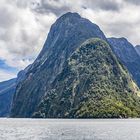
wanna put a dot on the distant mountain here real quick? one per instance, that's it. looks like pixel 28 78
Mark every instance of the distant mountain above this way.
pixel 7 90
pixel 127 54
pixel 137 48
pixel 93 84
pixel 65 35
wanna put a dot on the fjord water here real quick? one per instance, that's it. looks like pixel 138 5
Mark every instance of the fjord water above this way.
pixel 60 129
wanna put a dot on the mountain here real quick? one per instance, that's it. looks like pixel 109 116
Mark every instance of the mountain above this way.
pixel 76 81
pixel 127 54
pixel 7 90
pixel 137 48
pixel 65 35
pixel 92 84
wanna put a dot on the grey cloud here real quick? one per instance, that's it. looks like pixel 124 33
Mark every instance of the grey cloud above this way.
pixel 57 7
pixel 134 2
pixel 108 5
pixel 122 29
pixel 116 28
pixel 6 17
pixel 21 35
pixel 20 3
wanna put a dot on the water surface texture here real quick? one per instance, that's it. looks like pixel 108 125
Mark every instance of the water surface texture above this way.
pixel 59 129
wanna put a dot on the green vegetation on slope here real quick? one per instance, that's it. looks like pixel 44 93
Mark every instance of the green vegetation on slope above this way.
pixel 93 84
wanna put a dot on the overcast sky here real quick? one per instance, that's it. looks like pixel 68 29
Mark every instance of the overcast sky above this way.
pixel 24 25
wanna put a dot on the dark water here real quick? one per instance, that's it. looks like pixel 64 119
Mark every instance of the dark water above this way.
pixel 55 129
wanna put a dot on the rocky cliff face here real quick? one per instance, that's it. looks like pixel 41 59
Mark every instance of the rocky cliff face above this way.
pixel 92 84
pixel 66 34
pixel 127 54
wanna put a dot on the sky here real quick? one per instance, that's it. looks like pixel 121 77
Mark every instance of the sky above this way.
pixel 24 25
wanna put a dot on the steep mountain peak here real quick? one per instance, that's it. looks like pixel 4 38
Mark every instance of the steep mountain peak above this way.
pixel 70 29
pixel 65 36
pixel 68 19
pixel 123 46
pixel 70 15
pixel 120 40
pixel 127 54
pixel 68 77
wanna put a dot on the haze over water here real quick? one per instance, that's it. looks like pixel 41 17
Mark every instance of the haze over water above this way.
pixel 60 129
